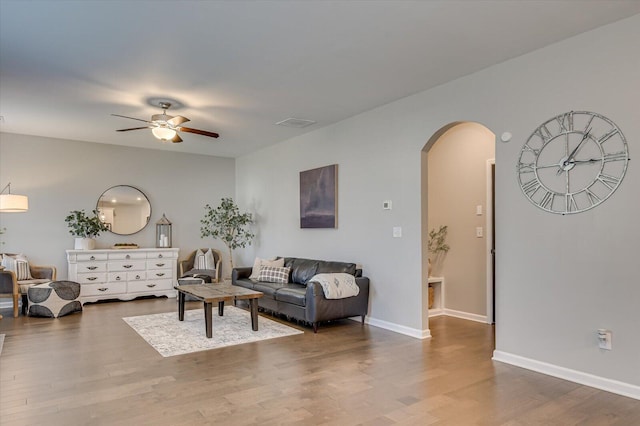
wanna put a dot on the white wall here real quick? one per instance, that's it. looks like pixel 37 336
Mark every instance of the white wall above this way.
pixel 457 183
pixel 60 176
pixel 558 278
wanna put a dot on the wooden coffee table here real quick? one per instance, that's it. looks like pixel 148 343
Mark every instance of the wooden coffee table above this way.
pixel 218 293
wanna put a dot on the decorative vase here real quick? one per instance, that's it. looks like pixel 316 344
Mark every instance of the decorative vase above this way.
pixel 84 243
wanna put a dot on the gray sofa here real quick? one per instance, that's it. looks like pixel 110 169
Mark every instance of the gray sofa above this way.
pixel 303 300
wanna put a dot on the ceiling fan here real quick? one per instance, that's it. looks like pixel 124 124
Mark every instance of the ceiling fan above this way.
pixel 166 127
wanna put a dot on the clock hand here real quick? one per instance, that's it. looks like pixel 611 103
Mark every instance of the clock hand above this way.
pixel 577 148
pixel 573 153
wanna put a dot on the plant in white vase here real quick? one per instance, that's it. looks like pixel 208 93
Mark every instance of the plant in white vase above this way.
pixel 226 223
pixel 436 245
pixel 85 228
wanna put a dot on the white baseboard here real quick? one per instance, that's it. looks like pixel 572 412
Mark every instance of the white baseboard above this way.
pixel 609 385
pixel 465 315
pixel 408 331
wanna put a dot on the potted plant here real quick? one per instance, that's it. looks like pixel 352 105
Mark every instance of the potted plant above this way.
pixel 436 244
pixel 226 223
pixel 85 228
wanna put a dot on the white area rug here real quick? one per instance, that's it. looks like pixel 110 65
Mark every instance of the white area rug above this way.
pixel 171 337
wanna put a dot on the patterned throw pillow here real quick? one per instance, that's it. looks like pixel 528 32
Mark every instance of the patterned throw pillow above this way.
pixel 19 265
pixel 204 260
pixel 273 274
pixel 259 263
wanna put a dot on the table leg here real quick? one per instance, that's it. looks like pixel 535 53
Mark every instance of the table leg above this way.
pixel 208 321
pixel 180 306
pixel 221 308
pixel 253 304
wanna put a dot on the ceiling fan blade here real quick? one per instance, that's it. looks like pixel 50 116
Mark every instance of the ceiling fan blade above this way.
pixel 198 132
pixel 177 120
pixel 130 118
pixel 134 128
pixel 176 139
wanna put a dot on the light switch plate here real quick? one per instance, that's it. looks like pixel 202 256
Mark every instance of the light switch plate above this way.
pixel 386 205
pixel 397 232
pixel 479 232
pixel 479 210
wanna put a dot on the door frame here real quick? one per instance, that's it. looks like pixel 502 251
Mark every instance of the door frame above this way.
pixel 490 233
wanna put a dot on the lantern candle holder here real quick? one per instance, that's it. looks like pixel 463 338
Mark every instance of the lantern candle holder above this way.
pixel 163 233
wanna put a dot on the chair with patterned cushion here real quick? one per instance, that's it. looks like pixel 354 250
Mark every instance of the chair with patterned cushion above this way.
pixel 205 261
pixel 23 278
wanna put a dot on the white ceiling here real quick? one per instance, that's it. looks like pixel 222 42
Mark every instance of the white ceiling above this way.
pixel 240 66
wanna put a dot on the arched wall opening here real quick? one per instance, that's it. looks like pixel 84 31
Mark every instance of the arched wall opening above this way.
pixel 456 191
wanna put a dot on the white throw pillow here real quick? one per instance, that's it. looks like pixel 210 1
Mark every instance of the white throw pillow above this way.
pixel 19 264
pixel 204 260
pixel 259 263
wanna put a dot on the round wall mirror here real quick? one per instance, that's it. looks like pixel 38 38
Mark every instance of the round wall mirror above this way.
pixel 124 209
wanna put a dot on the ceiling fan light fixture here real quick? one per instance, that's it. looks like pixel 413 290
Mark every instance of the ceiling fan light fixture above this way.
pixel 163 133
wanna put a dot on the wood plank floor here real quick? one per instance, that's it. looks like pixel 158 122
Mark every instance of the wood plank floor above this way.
pixel 93 369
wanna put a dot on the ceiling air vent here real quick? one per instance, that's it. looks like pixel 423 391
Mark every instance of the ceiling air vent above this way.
pixel 298 123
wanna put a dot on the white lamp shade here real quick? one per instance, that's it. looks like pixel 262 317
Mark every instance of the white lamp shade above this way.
pixel 12 203
pixel 163 133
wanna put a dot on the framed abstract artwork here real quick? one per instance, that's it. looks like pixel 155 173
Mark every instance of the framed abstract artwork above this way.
pixel 319 197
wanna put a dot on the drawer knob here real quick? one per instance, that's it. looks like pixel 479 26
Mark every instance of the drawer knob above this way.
pixel 127 257
pixel 92 278
pixel 161 274
pixel 159 264
pixel 103 289
pixel 92 258
pixel 160 256
pixel 118 278
pixel 151 285
pixel 92 268
pixel 137 277
pixel 127 266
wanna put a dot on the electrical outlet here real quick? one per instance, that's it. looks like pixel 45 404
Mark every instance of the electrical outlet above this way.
pixel 397 232
pixel 604 339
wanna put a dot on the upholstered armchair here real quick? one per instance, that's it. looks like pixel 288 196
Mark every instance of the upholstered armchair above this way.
pixel 186 267
pixel 10 286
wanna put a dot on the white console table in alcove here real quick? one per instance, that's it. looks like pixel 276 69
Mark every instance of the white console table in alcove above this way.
pixel 438 295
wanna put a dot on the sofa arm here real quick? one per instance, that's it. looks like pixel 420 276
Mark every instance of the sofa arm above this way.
pixel 319 308
pixel 240 273
pixel 43 272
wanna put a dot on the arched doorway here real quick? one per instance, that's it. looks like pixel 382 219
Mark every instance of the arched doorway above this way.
pixel 456 174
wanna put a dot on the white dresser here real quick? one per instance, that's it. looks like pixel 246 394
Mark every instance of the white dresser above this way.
pixel 123 274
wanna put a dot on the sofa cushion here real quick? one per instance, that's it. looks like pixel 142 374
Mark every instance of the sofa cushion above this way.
pixel 292 293
pixel 204 260
pixel 269 289
pixel 301 269
pixel 325 267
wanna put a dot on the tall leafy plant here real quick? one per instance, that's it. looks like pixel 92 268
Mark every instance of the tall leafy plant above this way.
pixel 83 226
pixel 226 223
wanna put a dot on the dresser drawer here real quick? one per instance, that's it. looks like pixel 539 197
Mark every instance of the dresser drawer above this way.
pixel 90 257
pixel 160 264
pixel 127 256
pixel 92 267
pixel 162 255
pixel 97 277
pixel 150 285
pixel 159 274
pixel 136 276
pixel 127 265
pixel 102 289
pixel 117 276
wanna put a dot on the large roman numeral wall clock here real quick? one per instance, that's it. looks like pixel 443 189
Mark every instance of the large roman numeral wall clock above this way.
pixel 573 162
